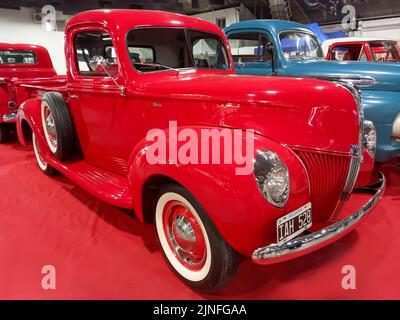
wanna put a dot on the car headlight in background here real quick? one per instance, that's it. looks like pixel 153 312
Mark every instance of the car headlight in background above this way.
pixel 272 177
pixel 370 137
pixel 396 129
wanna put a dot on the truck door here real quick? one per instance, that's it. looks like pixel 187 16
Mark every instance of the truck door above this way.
pixel 250 54
pixel 96 99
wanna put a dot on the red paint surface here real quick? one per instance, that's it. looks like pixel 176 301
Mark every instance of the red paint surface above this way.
pixel 286 114
pixel 100 251
pixel 12 74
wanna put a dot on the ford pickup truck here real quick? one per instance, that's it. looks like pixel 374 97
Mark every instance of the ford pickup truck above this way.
pixel 283 48
pixel 153 118
pixel 20 62
pixel 361 49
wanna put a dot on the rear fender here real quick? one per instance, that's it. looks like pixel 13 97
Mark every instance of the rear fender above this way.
pixel 29 111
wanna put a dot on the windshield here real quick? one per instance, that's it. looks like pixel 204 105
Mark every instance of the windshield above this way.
pixel 157 49
pixel 300 45
pixel 385 51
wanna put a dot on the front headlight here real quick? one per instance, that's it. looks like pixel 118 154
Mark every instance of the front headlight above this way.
pixel 272 177
pixel 370 137
pixel 396 128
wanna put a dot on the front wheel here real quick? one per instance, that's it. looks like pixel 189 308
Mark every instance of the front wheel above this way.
pixel 191 243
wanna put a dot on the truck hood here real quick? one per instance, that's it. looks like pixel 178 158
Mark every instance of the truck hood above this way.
pixel 308 113
pixel 387 75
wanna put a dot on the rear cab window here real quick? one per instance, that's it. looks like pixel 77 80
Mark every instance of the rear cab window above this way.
pixel 349 52
pixel 17 57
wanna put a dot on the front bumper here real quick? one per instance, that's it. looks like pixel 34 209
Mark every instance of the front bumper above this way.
pixel 316 240
pixel 10 118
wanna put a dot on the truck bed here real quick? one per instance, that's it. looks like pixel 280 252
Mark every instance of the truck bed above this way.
pixel 31 88
pixel 57 83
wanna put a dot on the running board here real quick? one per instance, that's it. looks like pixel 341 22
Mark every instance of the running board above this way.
pixel 105 185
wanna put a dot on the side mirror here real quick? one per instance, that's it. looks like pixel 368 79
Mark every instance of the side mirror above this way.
pixel 270 48
pixel 98 64
pixel 241 64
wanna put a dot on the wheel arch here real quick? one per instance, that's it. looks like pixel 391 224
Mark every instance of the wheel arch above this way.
pixel 28 120
pixel 233 202
pixel 150 190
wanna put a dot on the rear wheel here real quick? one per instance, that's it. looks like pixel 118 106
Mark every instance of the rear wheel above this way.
pixel 191 243
pixel 57 126
pixel 43 165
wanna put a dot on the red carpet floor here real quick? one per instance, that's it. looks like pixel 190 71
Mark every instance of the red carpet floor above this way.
pixel 102 252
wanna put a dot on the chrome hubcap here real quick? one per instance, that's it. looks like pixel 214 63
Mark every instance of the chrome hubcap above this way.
pixel 51 128
pixel 183 235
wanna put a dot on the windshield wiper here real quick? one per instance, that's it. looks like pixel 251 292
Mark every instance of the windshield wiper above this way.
pixel 305 57
pixel 155 65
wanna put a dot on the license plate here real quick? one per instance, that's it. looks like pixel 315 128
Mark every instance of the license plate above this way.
pixel 293 224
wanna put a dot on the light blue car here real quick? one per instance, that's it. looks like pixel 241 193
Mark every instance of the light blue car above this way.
pixel 271 47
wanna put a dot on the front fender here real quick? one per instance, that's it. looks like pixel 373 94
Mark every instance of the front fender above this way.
pixel 382 108
pixel 233 202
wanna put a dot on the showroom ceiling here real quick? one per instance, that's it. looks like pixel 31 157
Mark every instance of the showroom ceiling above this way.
pixel 73 6
pixel 328 11
pixel 321 11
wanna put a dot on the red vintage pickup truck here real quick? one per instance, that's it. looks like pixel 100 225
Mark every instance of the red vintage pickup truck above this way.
pixel 152 118
pixel 20 64
pixel 362 49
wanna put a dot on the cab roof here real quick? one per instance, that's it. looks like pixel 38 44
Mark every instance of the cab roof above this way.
pixel 21 46
pixel 273 26
pixel 125 19
pixel 357 39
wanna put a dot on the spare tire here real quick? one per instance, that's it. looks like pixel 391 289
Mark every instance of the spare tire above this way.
pixel 57 125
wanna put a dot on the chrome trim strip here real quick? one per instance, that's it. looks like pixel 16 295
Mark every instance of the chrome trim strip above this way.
pixel 355 166
pixel 311 242
pixel 11 117
pixel 351 80
pixel 317 150
pixel 357 152
pixel 357 97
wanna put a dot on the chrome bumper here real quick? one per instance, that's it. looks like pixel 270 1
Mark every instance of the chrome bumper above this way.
pixel 311 242
pixel 11 117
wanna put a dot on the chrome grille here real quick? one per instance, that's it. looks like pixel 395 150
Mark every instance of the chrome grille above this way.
pixel 332 178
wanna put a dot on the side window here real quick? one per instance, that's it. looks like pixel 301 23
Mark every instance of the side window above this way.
pixel 338 53
pixel 91 44
pixel 221 22
pixel 249 47
pixel 347 52
pixel 208 51
pixel 363 55
pixel 142 54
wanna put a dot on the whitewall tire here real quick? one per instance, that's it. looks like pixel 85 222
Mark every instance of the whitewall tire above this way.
pixel 57 126
pixel 191 243
pixel 43 165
